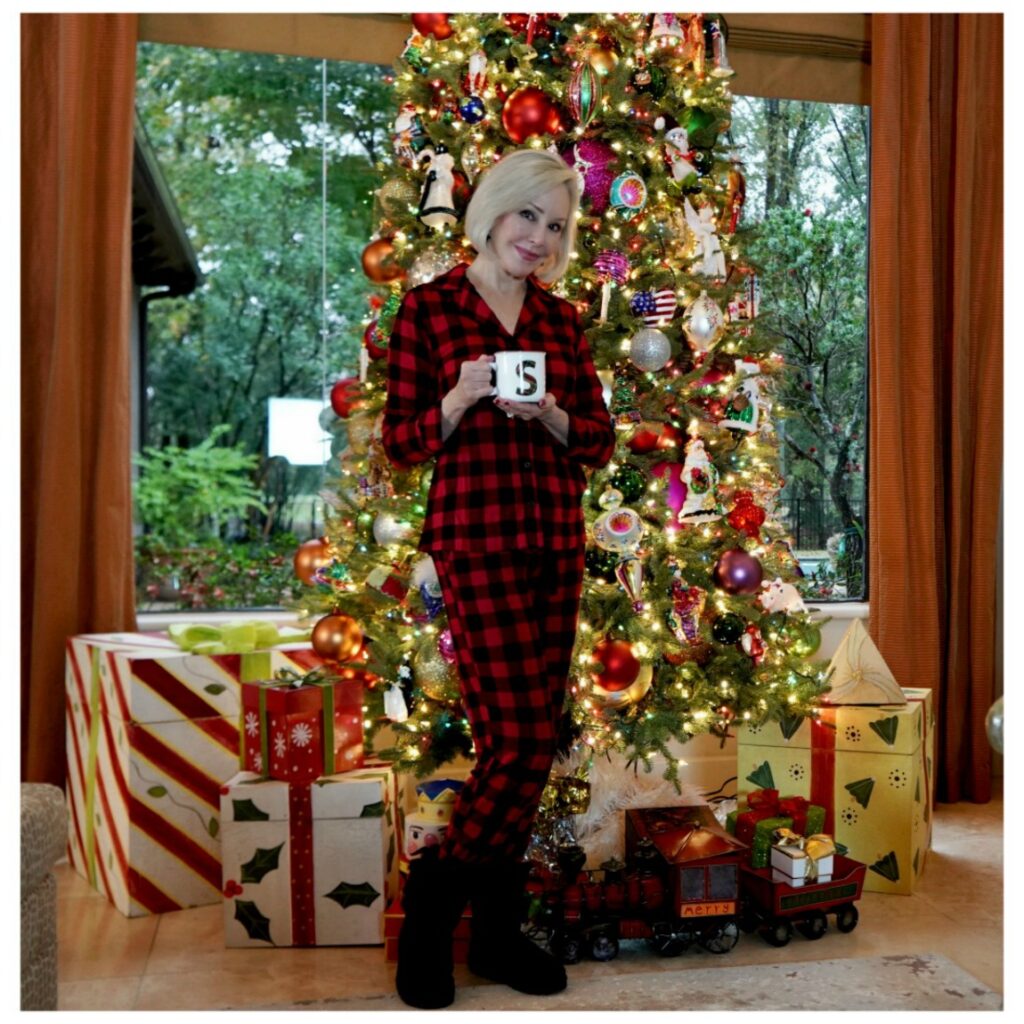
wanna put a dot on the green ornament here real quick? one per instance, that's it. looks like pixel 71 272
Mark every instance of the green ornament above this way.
pixel 698 122
pixel 774 623
pixel 808 641
pixel 651 80
pixel 631 481
pixel 728 628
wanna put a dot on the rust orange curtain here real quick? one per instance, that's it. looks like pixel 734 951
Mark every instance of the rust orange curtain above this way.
pixel 936 299
pixel 78 81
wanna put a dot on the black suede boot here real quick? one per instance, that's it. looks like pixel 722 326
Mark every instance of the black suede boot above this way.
pixel 498 949
pixel 433 900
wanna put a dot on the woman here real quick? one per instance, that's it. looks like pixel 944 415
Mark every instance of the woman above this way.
pixel 505 529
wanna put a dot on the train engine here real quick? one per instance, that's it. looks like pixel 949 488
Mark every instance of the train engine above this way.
pixel 679 887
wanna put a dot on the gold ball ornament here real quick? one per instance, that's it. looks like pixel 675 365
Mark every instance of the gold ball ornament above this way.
pixel 310 556
pixel 360 430
pixel 397 195
pixel 433 675
pixel 337 638
pixel 603 60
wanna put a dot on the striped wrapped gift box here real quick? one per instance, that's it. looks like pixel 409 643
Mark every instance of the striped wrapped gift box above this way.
pixel 152 734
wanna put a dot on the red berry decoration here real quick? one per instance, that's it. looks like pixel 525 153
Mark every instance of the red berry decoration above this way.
pixel 435 25
pixel 620 665
pixel 746 517
pixel 736 572
pixel 530 111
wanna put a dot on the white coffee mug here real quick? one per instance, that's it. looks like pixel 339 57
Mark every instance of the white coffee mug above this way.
pixel 518 376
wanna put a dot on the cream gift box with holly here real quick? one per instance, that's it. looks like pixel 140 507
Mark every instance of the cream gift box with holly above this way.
pixel 309 863
pixel 152 732
pixel 870 766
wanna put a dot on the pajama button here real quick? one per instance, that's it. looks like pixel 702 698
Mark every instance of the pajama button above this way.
pixel 527 464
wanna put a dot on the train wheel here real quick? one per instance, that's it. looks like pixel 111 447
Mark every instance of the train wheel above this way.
pixel 778 933
pixel 666 941
pixel 814 925
pixel 567 947
pixel 604 947
pixel 847 917
pixel 721 938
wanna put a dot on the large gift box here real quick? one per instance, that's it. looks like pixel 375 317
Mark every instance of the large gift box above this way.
pixel 298 731
pixel 871 768
pixel 152 733
pixel 309 864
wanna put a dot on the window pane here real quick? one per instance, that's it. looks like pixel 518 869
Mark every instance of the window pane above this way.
pixel 806 216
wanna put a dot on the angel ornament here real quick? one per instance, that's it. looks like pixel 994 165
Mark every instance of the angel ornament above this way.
pixel 703 225
pixel 437 207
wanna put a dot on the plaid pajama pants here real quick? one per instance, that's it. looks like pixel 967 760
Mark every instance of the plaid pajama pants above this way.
pixel 513 620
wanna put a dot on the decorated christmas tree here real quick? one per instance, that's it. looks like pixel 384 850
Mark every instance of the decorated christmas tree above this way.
pixel 688 619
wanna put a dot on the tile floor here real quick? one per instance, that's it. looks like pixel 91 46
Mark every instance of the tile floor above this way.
pixel 178 961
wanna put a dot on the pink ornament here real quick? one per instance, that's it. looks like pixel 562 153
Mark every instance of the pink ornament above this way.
pixel 594 162
pixel 612 265
pixel 446 646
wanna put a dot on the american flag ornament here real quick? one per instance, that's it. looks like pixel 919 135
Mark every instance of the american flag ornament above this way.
pixel 656 308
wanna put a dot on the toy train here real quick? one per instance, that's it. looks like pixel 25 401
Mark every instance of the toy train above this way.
pixel 686 882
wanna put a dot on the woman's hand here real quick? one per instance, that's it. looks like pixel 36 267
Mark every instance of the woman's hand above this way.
pixel 543 410
pixel 474 381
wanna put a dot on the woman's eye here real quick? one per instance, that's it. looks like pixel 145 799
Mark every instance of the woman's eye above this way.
pixel 555 227
pixel 528 214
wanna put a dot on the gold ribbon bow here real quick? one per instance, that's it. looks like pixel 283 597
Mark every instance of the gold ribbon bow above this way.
pixel 815 848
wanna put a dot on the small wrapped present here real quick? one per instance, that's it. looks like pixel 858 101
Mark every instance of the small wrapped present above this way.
pixel 801 859
pixel 858 673
pixel 766 811
pixel 298 728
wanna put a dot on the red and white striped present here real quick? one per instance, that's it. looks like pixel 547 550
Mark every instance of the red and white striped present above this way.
pixel 152 734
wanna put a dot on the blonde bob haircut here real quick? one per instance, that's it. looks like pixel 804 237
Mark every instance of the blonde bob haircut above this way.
pixel 516 179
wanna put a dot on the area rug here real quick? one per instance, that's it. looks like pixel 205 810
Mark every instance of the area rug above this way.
pixel 921 981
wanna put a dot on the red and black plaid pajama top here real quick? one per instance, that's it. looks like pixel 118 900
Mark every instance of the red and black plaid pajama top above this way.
pixel 504 525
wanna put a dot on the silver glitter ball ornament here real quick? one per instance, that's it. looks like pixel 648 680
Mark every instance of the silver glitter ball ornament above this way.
pixel 649 349
pixel 430 264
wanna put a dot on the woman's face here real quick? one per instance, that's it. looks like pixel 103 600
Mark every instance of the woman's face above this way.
pixel 524 240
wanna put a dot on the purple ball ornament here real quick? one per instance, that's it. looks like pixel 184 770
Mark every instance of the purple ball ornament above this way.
pixel 446 646
pixel 612 265
pixel 593 161
pixel 737 572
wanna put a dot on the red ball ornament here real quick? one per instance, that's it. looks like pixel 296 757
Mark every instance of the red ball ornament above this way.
pixel 620 665
pixel 370 339
pixel 345 395
pixel 643 441
pixel 530 111
pixel 435 25
pixel 736 572
pixel 310 556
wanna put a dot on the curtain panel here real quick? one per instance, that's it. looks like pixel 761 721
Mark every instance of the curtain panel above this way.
pixel 77 102
pixel 936 301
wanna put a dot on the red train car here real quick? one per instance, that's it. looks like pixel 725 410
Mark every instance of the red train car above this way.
pixel 686 882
